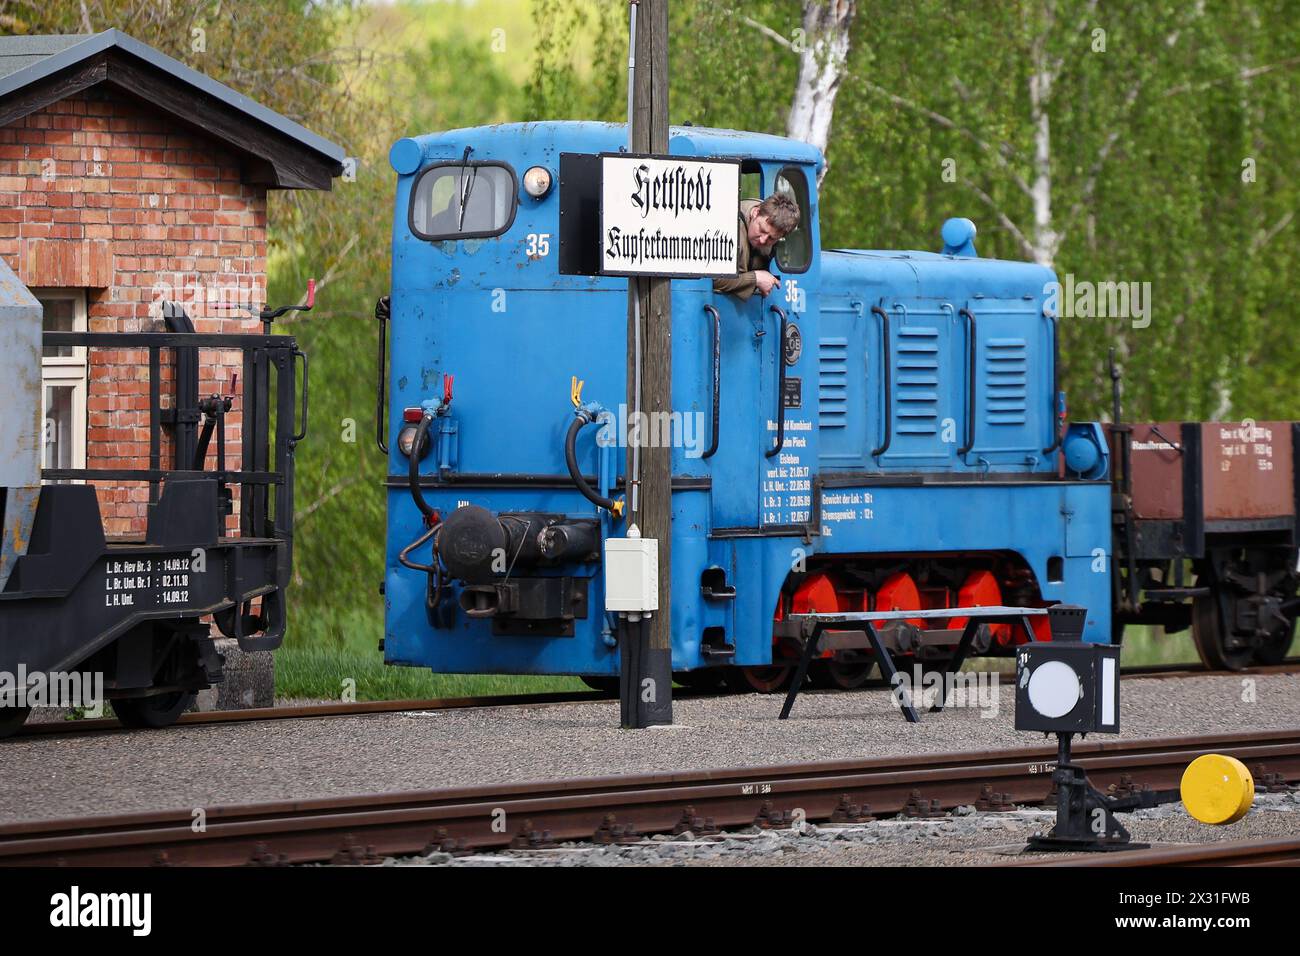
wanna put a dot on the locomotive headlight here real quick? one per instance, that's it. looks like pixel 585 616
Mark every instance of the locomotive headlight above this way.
pixel 406 440
pixel 537 181
pixel 406 437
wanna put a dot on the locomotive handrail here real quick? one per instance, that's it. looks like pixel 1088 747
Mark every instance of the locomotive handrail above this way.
pixel 1056 384
pixel 780 384
pixel 717 377
pixel 889 405
pixel 971 346
pixel 383 309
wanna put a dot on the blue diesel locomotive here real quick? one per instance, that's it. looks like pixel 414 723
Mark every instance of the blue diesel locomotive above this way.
pixel 885 431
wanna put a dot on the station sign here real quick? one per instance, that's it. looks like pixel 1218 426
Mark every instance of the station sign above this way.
pixel 668 216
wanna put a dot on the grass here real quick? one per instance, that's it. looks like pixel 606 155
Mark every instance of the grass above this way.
pixel 322 674
pixel 326 651
pixel 1150 645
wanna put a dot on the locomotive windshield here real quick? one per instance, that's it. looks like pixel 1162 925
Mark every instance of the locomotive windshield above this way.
pixel 463 200
pixel 794 252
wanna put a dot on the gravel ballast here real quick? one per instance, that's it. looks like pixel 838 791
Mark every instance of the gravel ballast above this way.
pixel 220 764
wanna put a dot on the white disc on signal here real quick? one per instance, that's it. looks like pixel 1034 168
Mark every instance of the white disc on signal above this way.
pixel 1054 689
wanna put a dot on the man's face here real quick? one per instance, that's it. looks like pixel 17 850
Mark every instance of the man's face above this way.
pixel 762 234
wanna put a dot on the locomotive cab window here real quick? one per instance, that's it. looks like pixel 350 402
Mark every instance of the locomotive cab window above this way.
pixel 793 253
pixel 463 201
pixel 751 180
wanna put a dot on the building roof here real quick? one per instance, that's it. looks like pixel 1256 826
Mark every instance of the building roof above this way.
pixel 38 70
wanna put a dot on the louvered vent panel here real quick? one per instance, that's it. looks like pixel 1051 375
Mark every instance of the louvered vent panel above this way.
pixel 1006 385
pixel 916 381
pixel 833 382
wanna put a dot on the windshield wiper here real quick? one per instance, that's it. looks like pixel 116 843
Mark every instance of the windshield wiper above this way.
pixel 469 187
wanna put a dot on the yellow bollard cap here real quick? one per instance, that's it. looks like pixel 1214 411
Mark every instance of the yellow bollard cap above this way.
pixel 1217 789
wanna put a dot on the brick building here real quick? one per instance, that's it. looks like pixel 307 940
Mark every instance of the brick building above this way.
pixel 127 179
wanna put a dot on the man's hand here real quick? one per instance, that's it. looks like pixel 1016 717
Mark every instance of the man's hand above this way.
pixel 765 281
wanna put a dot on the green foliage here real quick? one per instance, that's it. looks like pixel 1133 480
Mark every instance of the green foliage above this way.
pixel 1147 141
pixel 724 73
pixel 580 64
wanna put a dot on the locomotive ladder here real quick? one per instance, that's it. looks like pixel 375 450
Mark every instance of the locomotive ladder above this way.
pixel 828 632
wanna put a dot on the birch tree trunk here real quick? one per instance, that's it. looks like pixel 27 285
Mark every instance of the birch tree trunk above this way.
pixel 823 53
pixel 1044 237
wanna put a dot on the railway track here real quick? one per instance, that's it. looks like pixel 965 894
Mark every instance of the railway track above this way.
pixel 532 815
pixel 293 712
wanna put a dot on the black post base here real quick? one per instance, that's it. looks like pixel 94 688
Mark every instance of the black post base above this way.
pixel 1050 844
pixel 1085 817
pixel 645 679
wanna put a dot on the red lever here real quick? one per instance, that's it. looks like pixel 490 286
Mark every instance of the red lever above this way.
pixel 311 292
pixel 446 388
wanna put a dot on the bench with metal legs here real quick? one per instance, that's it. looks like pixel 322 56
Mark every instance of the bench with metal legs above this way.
pixel 855 630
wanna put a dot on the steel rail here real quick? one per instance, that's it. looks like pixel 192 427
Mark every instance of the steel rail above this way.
pixel 359 828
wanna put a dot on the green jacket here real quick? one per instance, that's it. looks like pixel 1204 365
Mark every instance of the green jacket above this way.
pixel 747 259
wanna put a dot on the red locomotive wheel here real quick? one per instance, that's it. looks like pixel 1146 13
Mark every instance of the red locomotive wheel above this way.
pixel 816 593
pixel 900 593
pixel 980 589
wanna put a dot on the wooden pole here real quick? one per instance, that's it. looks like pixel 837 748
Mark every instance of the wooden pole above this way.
pixel 646 682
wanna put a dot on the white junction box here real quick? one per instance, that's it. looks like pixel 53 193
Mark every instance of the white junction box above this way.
pixel 631 574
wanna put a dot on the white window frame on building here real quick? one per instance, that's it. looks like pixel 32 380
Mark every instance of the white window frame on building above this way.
pixel 64 371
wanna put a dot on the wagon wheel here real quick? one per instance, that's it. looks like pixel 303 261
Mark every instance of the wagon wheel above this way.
pixel 1209 634
pixel 762 679
pixel 158 710
pixel 11 720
